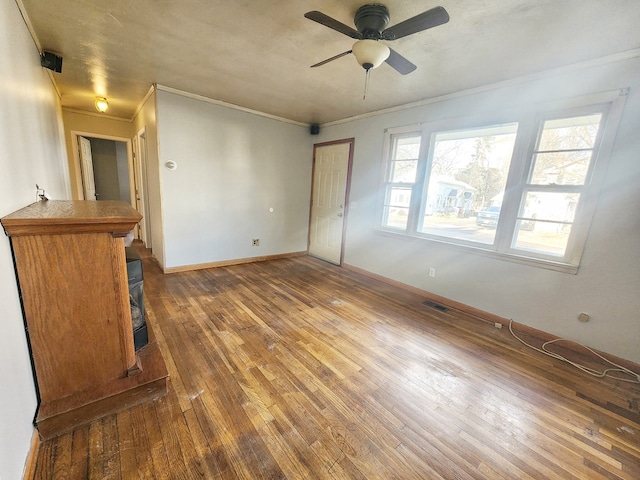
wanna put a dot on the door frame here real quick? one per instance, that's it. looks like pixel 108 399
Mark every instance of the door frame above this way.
pixel 351 141
pixel 141 176
pixel 76 158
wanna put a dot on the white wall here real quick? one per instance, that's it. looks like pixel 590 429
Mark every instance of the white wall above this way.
pixel 31 151
pixel 607 285
pixel 233 166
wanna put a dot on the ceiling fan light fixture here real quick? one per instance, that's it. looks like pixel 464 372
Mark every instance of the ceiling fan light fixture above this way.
pixel 101 104
pixel 370 53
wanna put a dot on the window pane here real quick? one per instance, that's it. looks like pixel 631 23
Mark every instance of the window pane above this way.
pixel 396 209
pixel 545 221
pixel 395 217
pixel 404 171
pixel 565 150
pixel 468 177
pixel 404 159
pixel 543 237
pixel 550 206
pixel 570 133
pixel 399 197
pixel 406 148
pixel 561 168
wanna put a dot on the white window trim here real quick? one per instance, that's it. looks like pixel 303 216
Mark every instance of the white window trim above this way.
pixel 526 118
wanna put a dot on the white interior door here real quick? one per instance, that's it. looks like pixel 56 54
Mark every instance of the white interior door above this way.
pixel 86 165
pixel 330 176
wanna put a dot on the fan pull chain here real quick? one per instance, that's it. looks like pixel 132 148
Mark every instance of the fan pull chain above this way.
pixel 366 84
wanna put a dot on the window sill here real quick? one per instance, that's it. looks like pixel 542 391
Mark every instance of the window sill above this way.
pixel 484 252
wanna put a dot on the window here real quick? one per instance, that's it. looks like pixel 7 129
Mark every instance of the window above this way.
pixel 561 162
pixel 468 174
pixel 518 189
pixel 403 168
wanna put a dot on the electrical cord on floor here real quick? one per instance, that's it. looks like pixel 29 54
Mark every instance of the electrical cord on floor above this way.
pixel 590 371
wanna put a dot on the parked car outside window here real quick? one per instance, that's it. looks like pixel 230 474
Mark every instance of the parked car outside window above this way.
pixel 488 217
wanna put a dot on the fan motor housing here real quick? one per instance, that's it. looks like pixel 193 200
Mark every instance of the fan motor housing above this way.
pixel 371 19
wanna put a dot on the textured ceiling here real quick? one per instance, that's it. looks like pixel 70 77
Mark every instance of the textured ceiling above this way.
pixel 256 54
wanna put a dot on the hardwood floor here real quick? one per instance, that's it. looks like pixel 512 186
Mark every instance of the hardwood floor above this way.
pixel 298 369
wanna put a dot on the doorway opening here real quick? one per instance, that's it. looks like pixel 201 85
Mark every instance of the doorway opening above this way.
pixel 107 161
pixel 106 170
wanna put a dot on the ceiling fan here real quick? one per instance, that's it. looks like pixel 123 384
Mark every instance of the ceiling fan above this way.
pixel 371 21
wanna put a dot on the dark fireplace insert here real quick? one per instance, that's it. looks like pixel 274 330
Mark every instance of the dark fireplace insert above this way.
pixel 136 298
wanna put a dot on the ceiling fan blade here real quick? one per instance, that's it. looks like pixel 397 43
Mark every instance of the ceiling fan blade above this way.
pixel 401 64
pixel 429 19
pixel 327 21
pixel 335 57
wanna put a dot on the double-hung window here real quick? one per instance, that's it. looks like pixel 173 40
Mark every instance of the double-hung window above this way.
pixel 518 188
pixel 554 185
pixel 401 180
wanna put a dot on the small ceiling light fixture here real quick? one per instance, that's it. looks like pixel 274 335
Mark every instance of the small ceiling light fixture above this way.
pixel 369 54
pixel 101 104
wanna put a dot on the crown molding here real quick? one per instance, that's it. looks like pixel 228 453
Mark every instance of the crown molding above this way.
pixel 596 62
pixel 96 114
pixel 220 103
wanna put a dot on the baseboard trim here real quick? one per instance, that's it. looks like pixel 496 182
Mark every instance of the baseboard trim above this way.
pixel 227 263
pixel 572 346
pixel 490 318
pixel 32 457
pixel 474 312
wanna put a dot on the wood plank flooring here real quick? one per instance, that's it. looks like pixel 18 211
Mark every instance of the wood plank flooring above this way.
pixel 296 369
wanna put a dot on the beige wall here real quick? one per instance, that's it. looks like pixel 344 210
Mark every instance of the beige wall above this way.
pixel 89 123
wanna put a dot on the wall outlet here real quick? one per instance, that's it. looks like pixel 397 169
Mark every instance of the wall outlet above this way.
pixel 255 242
pixel 432 272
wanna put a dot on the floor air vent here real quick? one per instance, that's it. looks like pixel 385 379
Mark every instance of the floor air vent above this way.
pixel 435 305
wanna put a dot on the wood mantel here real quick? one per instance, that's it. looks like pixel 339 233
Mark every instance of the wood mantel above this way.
pixel 71 268
pixel 73 216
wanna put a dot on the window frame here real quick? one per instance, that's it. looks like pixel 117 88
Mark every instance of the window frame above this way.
pixel 577 238
pixel 530 125
pixel 388 185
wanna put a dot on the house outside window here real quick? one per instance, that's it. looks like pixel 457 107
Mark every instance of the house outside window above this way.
pixel 521 188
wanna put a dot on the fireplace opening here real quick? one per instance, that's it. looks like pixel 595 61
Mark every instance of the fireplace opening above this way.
pixel 136 297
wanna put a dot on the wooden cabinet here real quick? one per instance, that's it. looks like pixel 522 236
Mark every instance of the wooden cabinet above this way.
pixel 71 267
